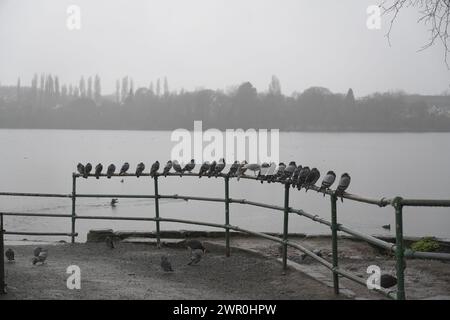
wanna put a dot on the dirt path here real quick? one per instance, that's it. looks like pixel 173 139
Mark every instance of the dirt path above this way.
pixel 132 271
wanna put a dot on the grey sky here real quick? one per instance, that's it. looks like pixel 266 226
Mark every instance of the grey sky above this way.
pixel 218 43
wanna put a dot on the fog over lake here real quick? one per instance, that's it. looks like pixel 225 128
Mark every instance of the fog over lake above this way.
pixel 412 165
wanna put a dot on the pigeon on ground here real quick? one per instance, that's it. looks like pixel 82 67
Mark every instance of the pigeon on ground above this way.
pixel 9 255
pixel 195 244
pixel 344 182
pixel 294 177
pixel 312 178
pixel 387 281
pixel 165 264
pixel 242 169
pixel 110 171
pixel 253 167
pixel 327 181
pixel 212 168
pixel 233 169
pixel 139 169
pixel 154 169
pixel 167 168
pixel 80 169
pixel 124 168
pixel 87 170
pixel 41 256
pixel 109 242
pixel 203 169
pixel 196 256
pixel 197 250
pixel 98 170
pixel 219 167
pixel 177 167
pixel 189 166
pixel 302 177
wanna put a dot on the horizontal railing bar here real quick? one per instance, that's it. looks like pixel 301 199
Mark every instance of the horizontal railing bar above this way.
pixel 133 196
pixel 26 194
pixel 24 214
pixel 427 255
pixel 40 233
pixel 256 204
pixel 424 203
pixel 176 196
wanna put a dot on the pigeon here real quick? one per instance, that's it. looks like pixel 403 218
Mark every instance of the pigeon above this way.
pixel 109 242
pixel 219 167
pixel 139 169
pixel 114 202
pixel 154 169
pixel 386 226
pixel 263 171
pixel 203 169
pixel 233 169
pixel 189 167
pixel 177 167
pixel 289 171
pixel 124 168
pixel 87 170
pixel 344 182
pixel 327 181
pixel 387 281
pixel 165 264
pixel 195 244
pixel 80 169
pixel 302 177
pixel 36 251
pixel 196 256
pixel 242 169
pixel 312 178
pixel 9 255
pixel 212 168
pixel 110 171
pixel 279 173
pixel 167 168
pixel 98 170
pixel 271 172
pixel 40 257
pixel 253 167
pixel 294 177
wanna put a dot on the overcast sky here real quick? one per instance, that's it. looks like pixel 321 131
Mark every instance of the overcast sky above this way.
pixel 219 43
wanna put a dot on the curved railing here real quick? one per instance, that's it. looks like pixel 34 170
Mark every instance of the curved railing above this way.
pixel 397 203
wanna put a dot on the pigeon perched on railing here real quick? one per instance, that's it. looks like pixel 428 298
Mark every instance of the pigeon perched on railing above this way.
pixel 87 170
pixel 271 171
pixel 80 169
pixel 327 181
pixel 233 169
pixel 203 169
pixel 98 170
pixel 263 171
pixel 109 242
pixel 139 169
pixel 212 168
pixel 124 168
pixel 189 166
pixel 242 169
pixel 110 171
pixel 165 264
pixel 9 255
pixel 294 177
pixel 289 171
pixel 219 167
pixel 344 182
pixel 253 167
pixel 312 178
pixel 302 177
pixel 40 255
pixel 177 167
pixel 154 169
pixel 279 173
pixel 167 168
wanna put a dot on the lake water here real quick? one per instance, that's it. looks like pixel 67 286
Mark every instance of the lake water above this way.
pixel 380 164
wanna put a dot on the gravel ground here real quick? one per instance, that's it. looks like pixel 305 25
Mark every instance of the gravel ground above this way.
pixel 132 271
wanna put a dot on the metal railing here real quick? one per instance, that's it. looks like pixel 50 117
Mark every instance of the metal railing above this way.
pixel 397 203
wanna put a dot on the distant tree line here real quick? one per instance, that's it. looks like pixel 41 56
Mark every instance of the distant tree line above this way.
pixel 48 104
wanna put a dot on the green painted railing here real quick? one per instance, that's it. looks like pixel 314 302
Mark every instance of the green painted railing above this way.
pixel 397 203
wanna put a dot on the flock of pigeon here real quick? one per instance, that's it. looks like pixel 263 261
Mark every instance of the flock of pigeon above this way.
pixel 40 255
pixel 297 176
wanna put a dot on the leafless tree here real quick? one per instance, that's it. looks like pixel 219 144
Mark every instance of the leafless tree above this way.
pixel 433 13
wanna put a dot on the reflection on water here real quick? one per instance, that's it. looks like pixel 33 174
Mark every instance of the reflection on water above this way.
pixel 381 165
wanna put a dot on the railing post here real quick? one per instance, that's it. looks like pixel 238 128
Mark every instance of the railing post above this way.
pixel 399 251
pixel 2 258
pixel 74 195
pixel 227 216
pixel 334 239
pixel 158 237
pixel 285 224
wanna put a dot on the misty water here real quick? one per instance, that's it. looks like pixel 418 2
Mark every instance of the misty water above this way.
pixel 413 165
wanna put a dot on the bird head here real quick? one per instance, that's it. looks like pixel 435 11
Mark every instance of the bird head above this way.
pixel 292 163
